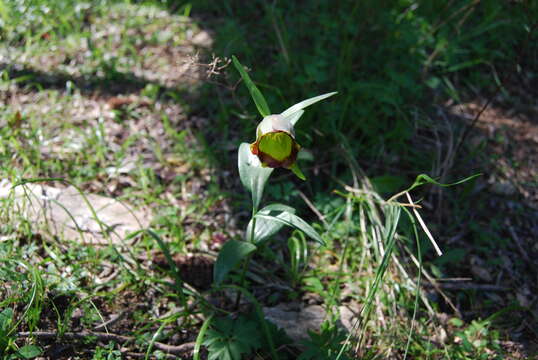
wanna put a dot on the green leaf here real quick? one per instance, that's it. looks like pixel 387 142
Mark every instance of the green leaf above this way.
pixel 247 333
pixel 232 252
pixel 253 175
pixel 266 228
pixel 230 338
pixel 256 94
pixel 295 222
pixel 200 337
pixel 425 179
pixel 5 319
pixel 29 351
pixel 301 105
pixel 297 171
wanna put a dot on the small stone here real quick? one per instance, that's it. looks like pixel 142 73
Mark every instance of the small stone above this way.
pixel 503 188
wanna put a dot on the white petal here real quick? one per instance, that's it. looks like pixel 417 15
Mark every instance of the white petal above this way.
pixel 275 122
pixel 281 123
pixel 305 103
pixel 293 118
pixel 265 126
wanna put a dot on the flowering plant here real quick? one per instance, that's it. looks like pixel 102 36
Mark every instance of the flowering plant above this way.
pixel 275 146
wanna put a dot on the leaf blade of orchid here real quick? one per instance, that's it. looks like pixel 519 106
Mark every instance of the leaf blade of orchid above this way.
pixel 255 93
pixel 297 171
pixel 253 174
pixel 301 105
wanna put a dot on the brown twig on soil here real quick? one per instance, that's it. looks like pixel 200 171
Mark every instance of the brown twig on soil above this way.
pixel 113 319
pixel 313 207
pixel 182 349
pixel 473 123
pixel 468 286
pixel 519 246
pixel 136 355
pixel 434 283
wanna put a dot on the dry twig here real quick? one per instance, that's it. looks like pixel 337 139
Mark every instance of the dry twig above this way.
pixel 182 349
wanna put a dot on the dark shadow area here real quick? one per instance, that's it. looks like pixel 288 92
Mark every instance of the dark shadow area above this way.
pixel 114 84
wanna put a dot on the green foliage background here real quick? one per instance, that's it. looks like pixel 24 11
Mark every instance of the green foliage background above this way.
pixel 390 61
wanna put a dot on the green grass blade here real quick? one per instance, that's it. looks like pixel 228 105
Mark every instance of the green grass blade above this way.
pixel 171 263
pixel 200 338
pixel 417 291
pixel 256 94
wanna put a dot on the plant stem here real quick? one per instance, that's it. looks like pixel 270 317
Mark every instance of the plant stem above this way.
pixel 247 260
pixel 243 279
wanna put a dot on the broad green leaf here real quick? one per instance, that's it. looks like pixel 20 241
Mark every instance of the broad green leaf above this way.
pixel 295 222
pixel 301 105
pixel 29 351
pixel 252 174
pixel 232 252
pixel 256 94
pixel 5 318
pixel 231 338
pixel 266 228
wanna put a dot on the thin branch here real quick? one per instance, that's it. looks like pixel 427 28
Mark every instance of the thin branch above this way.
pixel 182 349
pixel 113 319
pixel 519 246
pixel 469 286
pixel 313 208
pixel 434 283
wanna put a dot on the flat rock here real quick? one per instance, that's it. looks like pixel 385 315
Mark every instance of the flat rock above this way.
pixel 69 214
pixel 295 319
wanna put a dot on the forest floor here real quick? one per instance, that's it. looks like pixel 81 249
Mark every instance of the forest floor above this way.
pixel 109 109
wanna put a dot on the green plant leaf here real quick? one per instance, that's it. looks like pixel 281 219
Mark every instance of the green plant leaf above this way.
pixel 5 319
pixel 29 351
pixel 425 179
pixel 301 105
pixel 200 338
pixel 253 175
pixel 265 228
pixel 229 338
pixel 297 171
pixel 232 252
pixel 295 222
pixel 256 94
